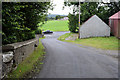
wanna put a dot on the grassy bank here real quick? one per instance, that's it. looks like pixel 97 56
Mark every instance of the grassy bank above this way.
pixel 63 37
pixel 29 63
pixel 106 43
pixel 56 25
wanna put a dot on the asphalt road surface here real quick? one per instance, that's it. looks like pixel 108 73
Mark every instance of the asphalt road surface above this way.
pixel 0 66
pixel 66 60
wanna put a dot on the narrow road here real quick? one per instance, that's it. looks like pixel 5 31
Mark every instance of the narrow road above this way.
pixel 66 60
pixel 0 66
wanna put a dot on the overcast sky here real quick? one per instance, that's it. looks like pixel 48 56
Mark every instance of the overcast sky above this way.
pixel 58 9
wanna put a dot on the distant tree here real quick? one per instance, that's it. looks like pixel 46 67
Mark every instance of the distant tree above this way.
pixel 52 18
pixel 57 17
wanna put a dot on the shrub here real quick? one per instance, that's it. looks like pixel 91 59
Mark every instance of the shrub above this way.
pixel 73 23
pixel 38 31
pixel 8 39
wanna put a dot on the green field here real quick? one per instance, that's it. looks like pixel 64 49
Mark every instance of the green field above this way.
pixel 55 25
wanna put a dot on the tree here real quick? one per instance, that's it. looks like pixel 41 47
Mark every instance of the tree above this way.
pixel 57 17
pixel 20 19
pixel 73 22
pixel 88 9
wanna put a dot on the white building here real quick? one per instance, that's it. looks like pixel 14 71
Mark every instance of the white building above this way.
pixel 65 18
pixel 94 27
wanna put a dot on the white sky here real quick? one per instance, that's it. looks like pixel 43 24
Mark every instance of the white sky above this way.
pixel 58 9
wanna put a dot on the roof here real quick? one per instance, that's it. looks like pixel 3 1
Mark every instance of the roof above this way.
pixel 94 18
pixel 89 18
pixel 115 16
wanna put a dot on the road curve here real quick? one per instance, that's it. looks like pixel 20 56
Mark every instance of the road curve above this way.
pixel 66 60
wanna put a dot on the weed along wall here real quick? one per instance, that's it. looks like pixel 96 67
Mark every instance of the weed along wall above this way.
pixel 15 53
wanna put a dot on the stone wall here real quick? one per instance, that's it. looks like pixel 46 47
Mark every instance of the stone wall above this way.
pixel 15 53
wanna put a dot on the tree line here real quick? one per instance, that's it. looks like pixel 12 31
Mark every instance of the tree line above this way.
pixel 56 17
pixel 20 19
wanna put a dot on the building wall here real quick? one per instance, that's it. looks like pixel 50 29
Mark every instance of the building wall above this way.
pixel 94 27
pixel 115 26
pixel 119 29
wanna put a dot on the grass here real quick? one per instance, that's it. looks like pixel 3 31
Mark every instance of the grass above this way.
pixel 29 63
pixel 63 37
pixel 105 43
pixel 60 25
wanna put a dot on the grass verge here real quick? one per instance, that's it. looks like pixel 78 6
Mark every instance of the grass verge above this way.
pixel 30 64
pixel 105 43
pixel 55 25
pixel 63 37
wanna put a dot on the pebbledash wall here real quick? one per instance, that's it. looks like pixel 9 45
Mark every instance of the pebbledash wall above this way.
pixel 15 53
